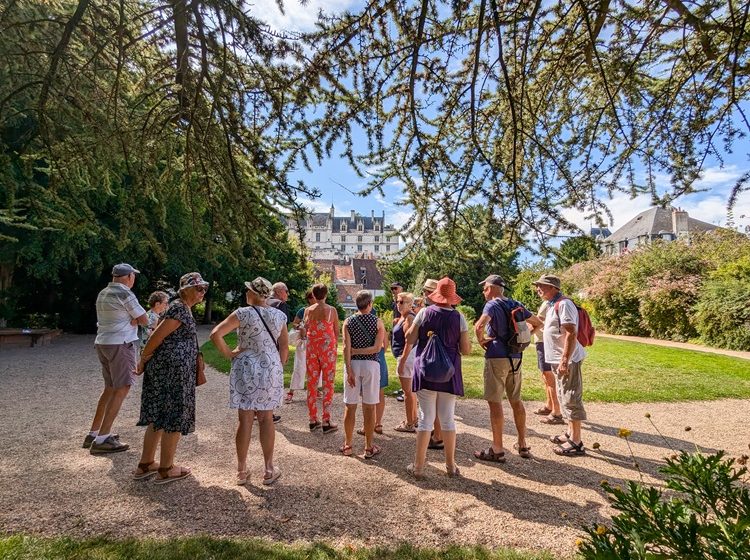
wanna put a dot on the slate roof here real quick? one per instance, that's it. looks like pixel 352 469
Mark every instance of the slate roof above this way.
pixel 368 223
pixel 372 279
pixel 603 232
pixel 320 219
pixel 651 222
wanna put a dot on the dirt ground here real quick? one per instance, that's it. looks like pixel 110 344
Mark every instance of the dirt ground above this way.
pixel 49 485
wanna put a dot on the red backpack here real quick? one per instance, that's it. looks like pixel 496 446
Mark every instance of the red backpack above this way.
pixel 586 331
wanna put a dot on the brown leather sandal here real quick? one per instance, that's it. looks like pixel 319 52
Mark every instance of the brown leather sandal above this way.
pixel 145 471
pixel 164 477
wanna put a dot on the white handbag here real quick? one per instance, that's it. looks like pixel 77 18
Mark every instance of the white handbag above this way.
pixel 293 337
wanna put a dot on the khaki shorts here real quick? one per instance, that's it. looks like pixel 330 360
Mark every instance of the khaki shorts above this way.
pixel 570 391
pixel 118 363
pixel 500 380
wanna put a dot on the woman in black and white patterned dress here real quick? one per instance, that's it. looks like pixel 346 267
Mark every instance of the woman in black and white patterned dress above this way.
pixel 256 380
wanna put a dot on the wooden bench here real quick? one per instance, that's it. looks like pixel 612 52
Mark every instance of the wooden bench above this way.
pixel 10 338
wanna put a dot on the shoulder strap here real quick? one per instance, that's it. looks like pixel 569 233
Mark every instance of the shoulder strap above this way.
pixel 275 342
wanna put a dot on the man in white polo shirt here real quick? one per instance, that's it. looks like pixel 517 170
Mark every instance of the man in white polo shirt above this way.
pixel 565 354
pixel 118 315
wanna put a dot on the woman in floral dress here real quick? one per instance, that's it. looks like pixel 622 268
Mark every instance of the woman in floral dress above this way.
pixel 256 379
pixel 168 397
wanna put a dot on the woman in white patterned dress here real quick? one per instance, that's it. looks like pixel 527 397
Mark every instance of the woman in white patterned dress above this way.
pixel 256 380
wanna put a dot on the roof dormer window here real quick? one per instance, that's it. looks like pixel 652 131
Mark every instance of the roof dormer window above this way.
pixel 360 226
pixel 377 226
pixel 343 226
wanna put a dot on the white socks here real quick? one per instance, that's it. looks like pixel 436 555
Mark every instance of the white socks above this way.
pixel 100 438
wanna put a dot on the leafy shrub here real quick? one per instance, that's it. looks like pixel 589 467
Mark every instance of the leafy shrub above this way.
pixel 382 304
pixel 387 318
pixel 723 310
pixel 706 514
pixel 614 300
pixel 576 279
pixel 667 306
pixel 666 277
pixel 522 289
pixel 467 312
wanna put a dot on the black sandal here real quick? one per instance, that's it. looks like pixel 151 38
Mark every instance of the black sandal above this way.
pixel 328 428
pixel 490 455
pixel 436 444
pixel 574 450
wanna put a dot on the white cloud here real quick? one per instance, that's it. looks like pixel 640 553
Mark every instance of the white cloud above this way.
pixel 297 17
pixel 316 205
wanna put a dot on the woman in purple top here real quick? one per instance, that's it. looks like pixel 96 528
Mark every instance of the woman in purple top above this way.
pixel 438 399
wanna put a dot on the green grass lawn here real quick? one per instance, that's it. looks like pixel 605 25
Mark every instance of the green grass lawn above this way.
pixel 207 548
pixel 615 371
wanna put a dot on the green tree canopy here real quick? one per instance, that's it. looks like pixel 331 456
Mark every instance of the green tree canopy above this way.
pixel 574 250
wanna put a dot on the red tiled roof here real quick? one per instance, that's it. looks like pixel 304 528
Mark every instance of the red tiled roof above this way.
pixel 348 290
pixel 343 273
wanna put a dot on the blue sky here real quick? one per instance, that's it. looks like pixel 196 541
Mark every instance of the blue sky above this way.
pixel 336 180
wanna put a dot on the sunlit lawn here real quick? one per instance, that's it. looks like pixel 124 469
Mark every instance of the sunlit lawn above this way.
pixel 615 371
pixel 209 548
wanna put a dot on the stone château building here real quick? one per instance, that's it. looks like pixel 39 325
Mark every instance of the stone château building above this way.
pixel 333 237
pixel 665 224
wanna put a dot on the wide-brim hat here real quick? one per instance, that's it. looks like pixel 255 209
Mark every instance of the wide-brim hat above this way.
pixel 445 292
pixel 429 285
pixel 192 280
pixel 548 280
pixel 260 286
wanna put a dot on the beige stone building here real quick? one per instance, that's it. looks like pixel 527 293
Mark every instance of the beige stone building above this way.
pixel 328 236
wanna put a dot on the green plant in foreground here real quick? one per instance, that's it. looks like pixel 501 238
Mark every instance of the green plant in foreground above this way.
pixel 704 514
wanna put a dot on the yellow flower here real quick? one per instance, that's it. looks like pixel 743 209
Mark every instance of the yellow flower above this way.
pixel 579 543
pixel 601 530
pixel 624 433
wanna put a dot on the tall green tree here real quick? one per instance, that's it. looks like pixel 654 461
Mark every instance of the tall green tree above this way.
pixel 532 107
pixel 574 250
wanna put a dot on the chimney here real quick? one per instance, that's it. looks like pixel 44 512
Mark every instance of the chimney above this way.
pixel 679 223
pixel 353 214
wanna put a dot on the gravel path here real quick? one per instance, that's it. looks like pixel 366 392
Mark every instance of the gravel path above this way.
pixel 50 486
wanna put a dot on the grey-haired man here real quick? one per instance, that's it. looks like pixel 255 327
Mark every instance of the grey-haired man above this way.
pixel 118 315
pixel 279 298
pixel 565 354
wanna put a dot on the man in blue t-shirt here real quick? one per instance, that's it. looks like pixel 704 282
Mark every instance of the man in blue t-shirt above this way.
pixel 502 369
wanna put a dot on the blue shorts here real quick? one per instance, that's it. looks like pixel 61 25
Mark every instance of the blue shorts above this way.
pixel 541 364
pixel 383 369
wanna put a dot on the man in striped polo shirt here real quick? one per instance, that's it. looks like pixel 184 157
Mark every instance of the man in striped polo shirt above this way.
pixel 118 315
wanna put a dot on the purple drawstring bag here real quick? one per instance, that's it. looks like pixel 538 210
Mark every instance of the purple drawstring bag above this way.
pixel 437 366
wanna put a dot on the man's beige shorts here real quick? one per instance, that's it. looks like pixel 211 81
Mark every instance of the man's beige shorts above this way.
pixel 118 363
pixel 570 391
pixel 499 379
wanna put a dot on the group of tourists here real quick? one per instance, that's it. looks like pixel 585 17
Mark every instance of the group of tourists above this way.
pixel 428 338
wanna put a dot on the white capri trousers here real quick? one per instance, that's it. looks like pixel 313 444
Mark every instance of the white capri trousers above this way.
pixel 432 403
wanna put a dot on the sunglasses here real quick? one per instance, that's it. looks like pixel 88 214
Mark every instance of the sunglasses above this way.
pixel 200 289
